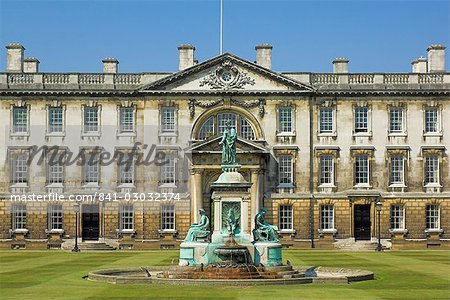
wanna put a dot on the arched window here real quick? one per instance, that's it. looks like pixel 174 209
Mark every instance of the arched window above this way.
pixel 216 124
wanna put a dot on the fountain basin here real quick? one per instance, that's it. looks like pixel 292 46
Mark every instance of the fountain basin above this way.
pixel 154 274
pixel 233 254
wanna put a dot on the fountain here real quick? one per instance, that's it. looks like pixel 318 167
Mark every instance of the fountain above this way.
pixel 230 254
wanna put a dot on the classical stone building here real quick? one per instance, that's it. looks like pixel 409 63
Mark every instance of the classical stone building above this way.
pixel 320 149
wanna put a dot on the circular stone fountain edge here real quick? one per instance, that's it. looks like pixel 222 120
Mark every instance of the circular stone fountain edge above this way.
pixel 149 275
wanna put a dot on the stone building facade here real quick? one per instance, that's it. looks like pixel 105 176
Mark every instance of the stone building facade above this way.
pixel 320 149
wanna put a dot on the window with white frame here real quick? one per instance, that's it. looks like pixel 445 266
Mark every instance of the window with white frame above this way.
pixel 222 120
pixel 362 169
pixel 431 169
pixel 91 168
pixel 55 216
pixel 361 119
pixel 207 129
pixel 168 169
pixel 215 125
pixel 168 119
pixel 246 130
pixel 126 170
pixel 285 169
pixel 55 119
pixel 19 216
pixel 397 217
pixel 397 174
pixel 285 119
pixel 396 120
pixel 327 216
pixel 91 119
pixel 55 169
pixel 20 119
pixel 126 119
pixel 326 120
pixel 431 120
pixel 19 168
pixel 126 217
pixel 433 217
pixel 285 217
pixel 168 217
pixel 326 170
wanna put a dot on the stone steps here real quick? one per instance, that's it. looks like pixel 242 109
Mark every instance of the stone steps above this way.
pixel 351 245
pixel 95 247
pixel 285 271
pixel 357 246
pixel 278 268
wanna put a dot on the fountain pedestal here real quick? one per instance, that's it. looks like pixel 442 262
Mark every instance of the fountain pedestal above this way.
pixel 231 195
pixel 231 239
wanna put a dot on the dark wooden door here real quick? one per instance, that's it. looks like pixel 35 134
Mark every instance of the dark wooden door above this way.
pixel 362 222
pixel 90 222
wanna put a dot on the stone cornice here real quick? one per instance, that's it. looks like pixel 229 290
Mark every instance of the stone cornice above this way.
pixel 228 92
pixel 130 93
pixel 20 92
pixel 379 92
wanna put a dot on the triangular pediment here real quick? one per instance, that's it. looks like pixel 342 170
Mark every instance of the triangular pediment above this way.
pixel 226 73
pixel 212 146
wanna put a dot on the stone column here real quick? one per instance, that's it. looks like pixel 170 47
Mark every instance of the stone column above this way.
pixel 244 214
pixel 217 211
pixel 196 193
pixel 256 194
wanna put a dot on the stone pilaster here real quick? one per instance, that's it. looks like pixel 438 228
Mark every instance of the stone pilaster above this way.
pixel 256 193
pixel 196 192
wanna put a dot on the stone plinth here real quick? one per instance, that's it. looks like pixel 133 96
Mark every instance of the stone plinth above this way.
pixel 267 254
pixel 19 234
pixel 194 254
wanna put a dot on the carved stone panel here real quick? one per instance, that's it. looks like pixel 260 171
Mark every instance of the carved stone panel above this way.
pixel 227 76
pixel 235 207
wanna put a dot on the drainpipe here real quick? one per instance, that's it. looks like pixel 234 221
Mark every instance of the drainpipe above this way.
pixel 312 100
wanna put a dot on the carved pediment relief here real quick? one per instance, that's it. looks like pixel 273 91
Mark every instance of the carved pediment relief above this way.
pixel 226 73
pixel 227 76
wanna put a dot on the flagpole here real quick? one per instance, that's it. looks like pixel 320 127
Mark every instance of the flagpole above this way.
pixel 221 26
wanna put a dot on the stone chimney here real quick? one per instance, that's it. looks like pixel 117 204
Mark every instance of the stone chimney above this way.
pixel 110 65
pixel 185 56
pixel 436 58
pixel 419 65
pixel 31 65
pixel 340 65
pixel 264 55
pixel 14 58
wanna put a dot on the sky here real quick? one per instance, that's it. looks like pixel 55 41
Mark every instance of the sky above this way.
pixel 74 36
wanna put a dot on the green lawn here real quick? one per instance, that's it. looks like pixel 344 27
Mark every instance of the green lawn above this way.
pixel 58 275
